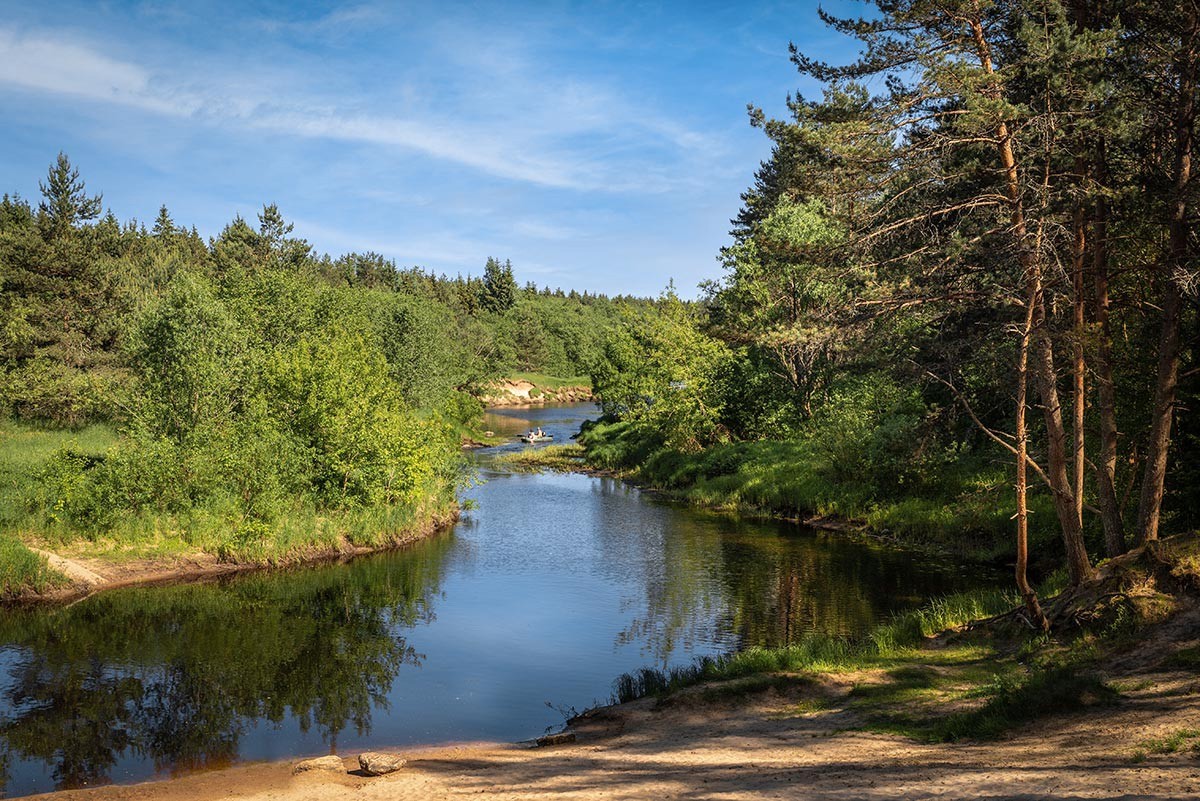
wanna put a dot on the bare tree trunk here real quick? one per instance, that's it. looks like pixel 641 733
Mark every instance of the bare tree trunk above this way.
pixel 1106 467
pixel 1167 380
pixel 1028 594
pixel 1079 398
pixel 1079 566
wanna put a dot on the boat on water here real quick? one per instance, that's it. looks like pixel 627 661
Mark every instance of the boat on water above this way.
pixel 536 436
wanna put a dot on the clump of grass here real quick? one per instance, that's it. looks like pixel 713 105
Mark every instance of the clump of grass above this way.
pixel 1170 744
pixel 551 457
pixel 22 570
pixel 552 382
pixel 1185 658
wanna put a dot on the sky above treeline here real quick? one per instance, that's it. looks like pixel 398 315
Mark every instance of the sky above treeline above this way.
pixel 600 146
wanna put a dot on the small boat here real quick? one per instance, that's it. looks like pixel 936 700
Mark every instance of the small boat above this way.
pixel 536 436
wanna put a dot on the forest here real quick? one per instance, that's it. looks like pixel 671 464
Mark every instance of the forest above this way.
pixel 243 396
pixel 959 302
pixel 958 305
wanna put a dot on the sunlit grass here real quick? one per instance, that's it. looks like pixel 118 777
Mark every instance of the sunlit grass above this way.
pixel 552 382
pixel 967 511
pixel 22 570
pixel 550 457
pixel 882 647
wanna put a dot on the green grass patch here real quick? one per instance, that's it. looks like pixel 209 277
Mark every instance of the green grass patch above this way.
pixel 884 647
pixel 1187 658
pixel 22 570
pixel 553 382
pixel 25 450
pixel 550 457
pixel 954 692
pixel 1170 744
pixel 1013 697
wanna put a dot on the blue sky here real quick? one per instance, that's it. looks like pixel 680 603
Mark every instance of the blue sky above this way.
pixel 599 146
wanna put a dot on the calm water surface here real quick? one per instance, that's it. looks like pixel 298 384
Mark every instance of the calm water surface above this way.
pixel 549 589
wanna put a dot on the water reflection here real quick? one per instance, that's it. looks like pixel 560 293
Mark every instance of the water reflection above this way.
pixel 552 587
pixel 173 677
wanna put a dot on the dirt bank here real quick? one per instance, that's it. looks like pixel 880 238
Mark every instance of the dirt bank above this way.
pixel 519 392
pixel 86 576
pixel 768 747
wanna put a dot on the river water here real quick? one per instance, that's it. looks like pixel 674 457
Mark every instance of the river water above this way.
pixel 549 588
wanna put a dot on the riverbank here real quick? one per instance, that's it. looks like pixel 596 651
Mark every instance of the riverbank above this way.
pixel 830 734
pixel 966 512
pixel 536 389
pixel 48 556
pixel 574 459
pixel 78 575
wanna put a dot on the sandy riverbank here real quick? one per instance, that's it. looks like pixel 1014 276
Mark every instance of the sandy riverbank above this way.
pixel 766 747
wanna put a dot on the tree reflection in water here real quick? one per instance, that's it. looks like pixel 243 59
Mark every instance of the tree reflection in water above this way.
pixel 176 675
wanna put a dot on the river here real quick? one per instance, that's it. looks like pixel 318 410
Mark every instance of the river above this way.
pixel 550 587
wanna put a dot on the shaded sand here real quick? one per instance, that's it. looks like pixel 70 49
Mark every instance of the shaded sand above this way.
pixel 762 748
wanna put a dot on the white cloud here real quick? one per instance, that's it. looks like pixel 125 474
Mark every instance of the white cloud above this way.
pixel 63 67
pixel 501 116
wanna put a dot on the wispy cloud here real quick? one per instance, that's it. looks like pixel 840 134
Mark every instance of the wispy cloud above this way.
pixel 525 126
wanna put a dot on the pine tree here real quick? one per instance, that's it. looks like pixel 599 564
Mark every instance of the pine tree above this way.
pixel 66 202
pixel 499 292
pixel 164 226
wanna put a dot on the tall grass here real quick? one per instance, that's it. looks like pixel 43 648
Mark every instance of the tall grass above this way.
pixel 550 457
pixel 25 450
pixel 22 570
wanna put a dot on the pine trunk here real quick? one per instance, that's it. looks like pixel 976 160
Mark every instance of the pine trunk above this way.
pixel 1079 567
pixel 1106 467
pixel 1167 379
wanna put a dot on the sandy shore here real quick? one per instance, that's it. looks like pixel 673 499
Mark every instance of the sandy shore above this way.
pixel 764 748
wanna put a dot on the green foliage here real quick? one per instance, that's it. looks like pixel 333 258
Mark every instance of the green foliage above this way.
pixel 867 430
pixel 499 291
pixel 661 373
pixel 1169 744
pixel 65 201
pixel 21 570
pixel 269 401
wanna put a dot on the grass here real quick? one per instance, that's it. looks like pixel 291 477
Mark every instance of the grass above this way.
pixel 965 689
pixel 22 570
pixel 550 457
pixel 1187 658
pixel 1170 744
pixel 1012 697
pixel 23 451
pixel 552 382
